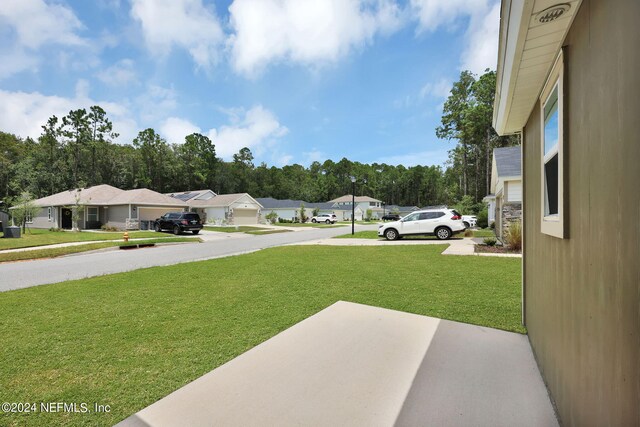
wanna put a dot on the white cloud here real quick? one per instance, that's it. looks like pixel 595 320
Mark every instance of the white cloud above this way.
pixel 257 130
pixel 119 74
pixel 313 156
pixel 37 23
pixel 185 24
pixel 310 33
pixel 481 37
pixel 175 129
pixel 32 24
pixel 24 113
pixel 439 89
pixel 481 51
pixel 422 158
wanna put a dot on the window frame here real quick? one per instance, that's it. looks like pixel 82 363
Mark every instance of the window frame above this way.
pixel 97 214
pixel 553 225
pixel 49 213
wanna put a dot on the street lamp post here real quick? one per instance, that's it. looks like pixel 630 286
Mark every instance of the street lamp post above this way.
pixel 353 205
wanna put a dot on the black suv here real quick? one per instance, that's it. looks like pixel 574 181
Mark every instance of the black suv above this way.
pixel 179 222
pixel 391 217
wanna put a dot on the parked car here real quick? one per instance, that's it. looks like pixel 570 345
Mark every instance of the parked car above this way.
pixel 179 222
pixel 443 223
pixel 326 218
pixel 469 220
pixel 391 217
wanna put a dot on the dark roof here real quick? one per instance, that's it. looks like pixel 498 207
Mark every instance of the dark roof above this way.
pixel 508 161
pixel 271 203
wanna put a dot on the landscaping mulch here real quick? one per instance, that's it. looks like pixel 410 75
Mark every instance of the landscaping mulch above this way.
pixel 495 249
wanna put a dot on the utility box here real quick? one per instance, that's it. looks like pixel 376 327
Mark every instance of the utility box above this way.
pixel 12 232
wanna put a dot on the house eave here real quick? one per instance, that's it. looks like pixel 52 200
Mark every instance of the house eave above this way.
pixel 526 52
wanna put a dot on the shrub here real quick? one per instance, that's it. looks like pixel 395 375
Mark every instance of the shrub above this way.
pixel 284 221
pixel 492 225
pixel 513 235
pixel 55 229
pixel 468 233
pixel 489 241
pixel 368 214
pixel 272 217
pixel 483 218
pixel 106 227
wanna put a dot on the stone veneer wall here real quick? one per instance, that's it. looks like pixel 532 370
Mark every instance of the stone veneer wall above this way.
pixel 511 212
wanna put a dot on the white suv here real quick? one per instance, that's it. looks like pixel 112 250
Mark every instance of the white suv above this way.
pixel 326 218
pixel 469 220
pixel 443 223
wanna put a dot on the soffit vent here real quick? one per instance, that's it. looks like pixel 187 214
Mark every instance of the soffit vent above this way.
pixel 552 13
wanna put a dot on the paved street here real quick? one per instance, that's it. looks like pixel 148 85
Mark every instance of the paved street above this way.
pixel 16 275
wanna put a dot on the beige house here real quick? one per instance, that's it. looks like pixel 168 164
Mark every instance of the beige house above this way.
pixel 104 205
pixel 568 82
pixel 233 209
pixel 505 202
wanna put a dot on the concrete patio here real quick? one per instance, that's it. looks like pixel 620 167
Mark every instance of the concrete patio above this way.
pixel 358 365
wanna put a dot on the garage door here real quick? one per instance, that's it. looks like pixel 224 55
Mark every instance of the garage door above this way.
pixel 151 214
pixel 245 216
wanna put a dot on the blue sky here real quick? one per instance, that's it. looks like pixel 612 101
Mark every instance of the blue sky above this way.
pixel 294 80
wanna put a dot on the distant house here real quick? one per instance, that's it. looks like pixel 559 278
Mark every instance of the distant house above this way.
pixel 233 209
pixel 505 200
pixel 289 209
pixel 104 205
pixel 568 82
pixel 362 205
pixel 400 210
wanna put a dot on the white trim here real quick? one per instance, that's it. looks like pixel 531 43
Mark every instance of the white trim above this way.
pixel 553 225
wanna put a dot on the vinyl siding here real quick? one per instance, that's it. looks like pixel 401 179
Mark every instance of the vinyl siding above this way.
pixel 582 293
pixel 514 191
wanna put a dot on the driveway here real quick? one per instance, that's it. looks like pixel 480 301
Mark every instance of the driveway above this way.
pixel 16 275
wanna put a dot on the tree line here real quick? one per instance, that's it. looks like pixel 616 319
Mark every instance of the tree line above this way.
pixel 79 150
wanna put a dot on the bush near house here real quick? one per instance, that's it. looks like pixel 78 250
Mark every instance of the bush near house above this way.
pixel 513 236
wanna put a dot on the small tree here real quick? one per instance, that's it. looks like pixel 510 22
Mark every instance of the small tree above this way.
pixel 395 211
pixel 24 210
pixel 272 217
pixel 369 214
pixel 76 210
pixel 316 211
pixel 303 216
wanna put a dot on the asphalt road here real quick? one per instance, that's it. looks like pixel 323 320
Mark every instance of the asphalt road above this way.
pixel 17 275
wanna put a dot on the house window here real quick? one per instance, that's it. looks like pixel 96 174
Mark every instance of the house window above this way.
pixel 552 148
pixel 92 214
pixel 29 218
pixel 49 213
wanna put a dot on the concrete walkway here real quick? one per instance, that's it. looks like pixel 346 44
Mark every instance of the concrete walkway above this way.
pixel 358 365
pixel 457 245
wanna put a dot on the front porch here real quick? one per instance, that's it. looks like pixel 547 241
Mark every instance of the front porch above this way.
pixel 353 364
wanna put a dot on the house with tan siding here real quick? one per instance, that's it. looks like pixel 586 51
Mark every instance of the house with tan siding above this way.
pixel 505 202
pixel 568 83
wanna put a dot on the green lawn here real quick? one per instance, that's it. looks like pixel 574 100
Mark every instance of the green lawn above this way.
pixel 485 232
pixel 67 250
pixel 39 237
pixel 261 232
pixel 373 234
pixel 129 339
pixel 232 228
pixel 309 224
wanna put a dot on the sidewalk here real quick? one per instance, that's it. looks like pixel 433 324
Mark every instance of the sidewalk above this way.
pixel 357 365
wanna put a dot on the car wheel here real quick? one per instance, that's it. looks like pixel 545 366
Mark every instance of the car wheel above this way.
pixel 195 231
pixel 314 220
pixel 157 228
pixel 328 221
pixel 176 230
pixel 466 224
pixel 391 234
pixel 443 233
